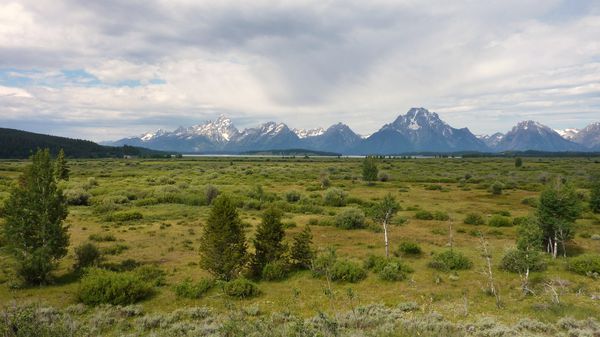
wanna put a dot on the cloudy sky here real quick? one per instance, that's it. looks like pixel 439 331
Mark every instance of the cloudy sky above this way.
pixel 105 69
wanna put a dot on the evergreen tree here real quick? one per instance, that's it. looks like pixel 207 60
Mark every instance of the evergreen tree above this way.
pixel 559 207
pixel 223 242
pixel 34 213
pixel 268 242
pixel 62 168
pixel 518 162
pixel 369 169
pixel 301 253
pixel 595 194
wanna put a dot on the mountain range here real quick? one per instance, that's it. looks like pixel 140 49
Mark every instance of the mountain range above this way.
pixel 419 130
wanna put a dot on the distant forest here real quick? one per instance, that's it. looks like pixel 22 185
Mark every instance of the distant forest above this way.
pixel 17 144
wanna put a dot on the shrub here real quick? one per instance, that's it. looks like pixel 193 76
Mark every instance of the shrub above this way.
pixel 125 216
pixel 375 263
pixel 102 237
pixel 78 197
pixel 347 271
pixel 275 271
pixel 474 219
pixel 210 193
pixel 241 288
pixel 441 216
pixel 115 249
pixel 335 197
pixel 383 177
pixel 517 261
pixel 293 196
pixel 499 221
pixel 87 255
pixel 497 188
pixel 423 215
pixel 434 187
pixel 152 274
pixel 99 286
pixel 408 248
pixel 193 290
pixel 350 219
pixel 394 271
pixel 450 260
pixel 586 264
pixel 530 201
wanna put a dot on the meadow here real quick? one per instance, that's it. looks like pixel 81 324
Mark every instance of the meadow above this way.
pixel 152 211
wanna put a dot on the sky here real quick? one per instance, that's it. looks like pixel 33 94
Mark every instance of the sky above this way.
pixel 103 70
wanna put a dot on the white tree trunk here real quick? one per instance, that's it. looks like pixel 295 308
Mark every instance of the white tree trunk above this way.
pixel 385 237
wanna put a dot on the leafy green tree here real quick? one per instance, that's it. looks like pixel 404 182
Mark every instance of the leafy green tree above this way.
pixel 369 169
pixel 558 209
pixel 595 194
pixel 529 241
pixel 34 213
pixel 301 253
pixel 62 168
pixel 223 242
pixel 268 242
pixel 383 212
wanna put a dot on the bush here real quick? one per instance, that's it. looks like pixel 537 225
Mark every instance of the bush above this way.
pixel 152 274
pixel 423 215
pixel 586 264
pixel 450 260
pixel 517 261
pixel 241 288
pixel 293 196
pixel 125 216
pixel 99 286
pixel 474 219
pixel 408 249
pixel 383 177
pixel 530 201
pixel 78 197
pixel 499 221
pixel 102 237
pixel 497 188
pixel 350 219
pixel 347 271
pixel 210 193
pixel 394 271
pixel 87 255
pixel 275 271
pixel 335 197
pixel 441 216
pixel 193 290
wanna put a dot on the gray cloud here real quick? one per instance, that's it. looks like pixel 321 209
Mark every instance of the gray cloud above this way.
pixel 485 65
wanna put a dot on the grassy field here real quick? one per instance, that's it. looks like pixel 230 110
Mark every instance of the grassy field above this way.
pixel 169 195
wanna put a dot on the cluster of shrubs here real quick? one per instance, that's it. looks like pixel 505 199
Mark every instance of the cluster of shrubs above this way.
pixel 387 269
pixel 519 261
pixel 101 286
pixel 437 215
pixel 586 264
pixel 328 265
pixel 450 260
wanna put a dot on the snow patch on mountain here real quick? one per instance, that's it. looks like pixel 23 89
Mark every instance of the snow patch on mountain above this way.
pixel 304 133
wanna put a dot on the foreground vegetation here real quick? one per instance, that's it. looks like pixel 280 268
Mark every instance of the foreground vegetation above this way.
pixel 318 242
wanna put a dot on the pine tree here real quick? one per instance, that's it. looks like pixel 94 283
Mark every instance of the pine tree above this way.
pixel 223 242
pixel 369 169
pixel 559 207
pixel 301 253
pixel 595 194
pixel 268 242
pixel 34 213
pixel 62 168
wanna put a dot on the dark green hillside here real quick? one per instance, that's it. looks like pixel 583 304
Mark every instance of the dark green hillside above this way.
pixel 15 144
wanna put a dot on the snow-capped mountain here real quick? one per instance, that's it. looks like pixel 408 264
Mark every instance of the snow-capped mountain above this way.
pixel 531 135
pixel 268 136
pixel 568 134
pixel 491 140
pixel 420 130
pixel 337 138
pixel 305 133
pixel 589 136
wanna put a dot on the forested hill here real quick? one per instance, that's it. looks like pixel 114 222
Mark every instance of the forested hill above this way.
pixel 15 144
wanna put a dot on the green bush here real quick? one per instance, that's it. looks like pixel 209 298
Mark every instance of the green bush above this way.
pixel 241 288
pixel 87 255
pixel 347 271
pixel 394 271
pixel 350 219
pixel 152 274
pixel 193 290
pixel 375 263
pixel 275 271
pixel 293 196
pixel 499 221
pixel 408 249
pixel 450 260
pixel 497 188
pixel 441 216
pixel 474 219
pixel 517 261
pixel 78 197
pixel 210 193
pixel 586 264
pixel 335 197
pixel 99 286
pixel 125 216
pixel 530 201
pixel 102 237
pixel 424 215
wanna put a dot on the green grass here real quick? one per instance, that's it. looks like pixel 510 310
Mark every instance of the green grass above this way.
pixel 156 210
